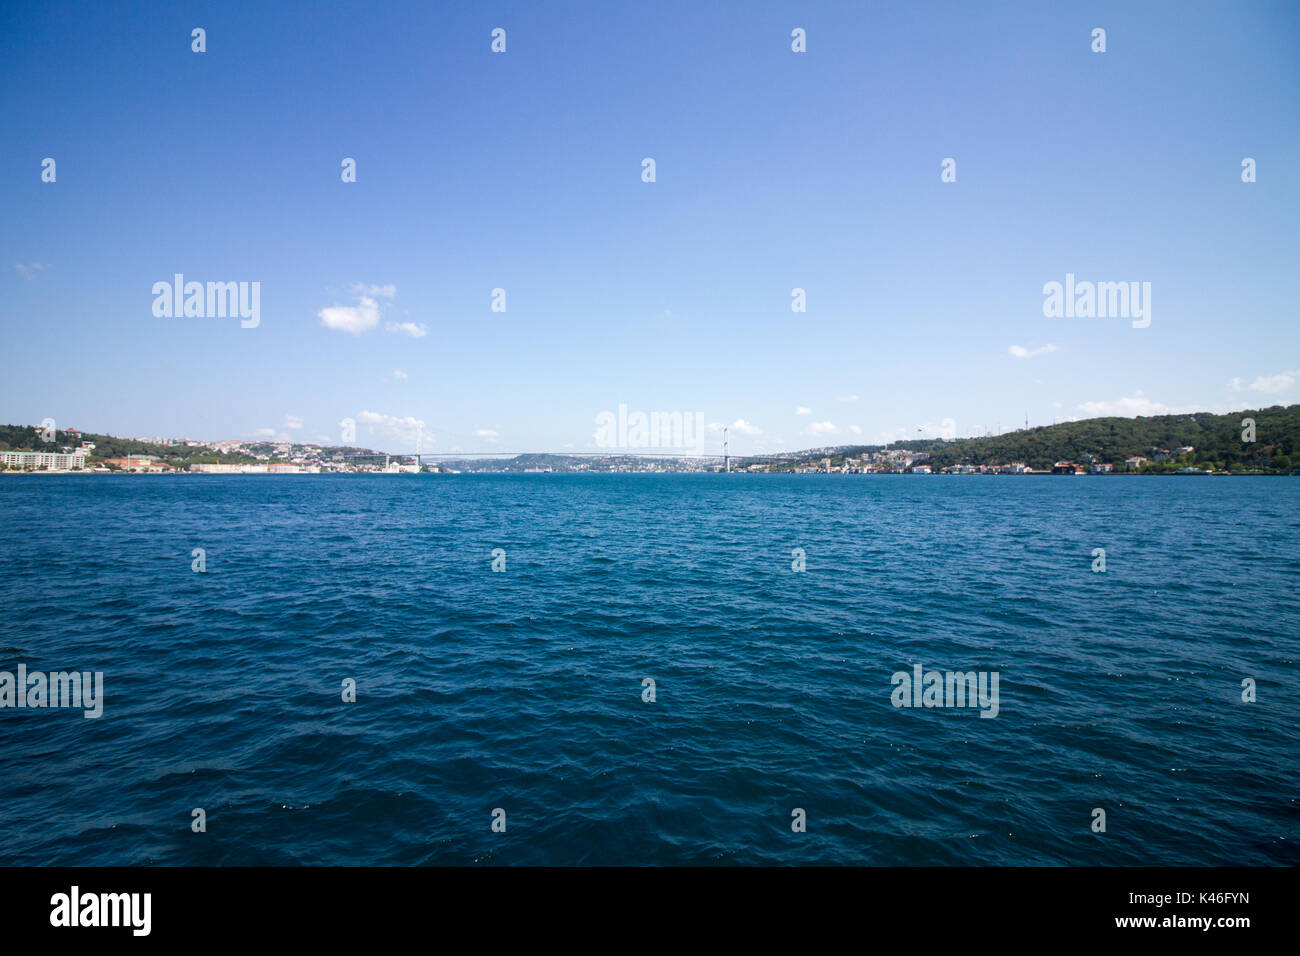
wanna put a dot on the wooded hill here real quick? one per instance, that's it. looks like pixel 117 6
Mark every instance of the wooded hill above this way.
pixel 1217 440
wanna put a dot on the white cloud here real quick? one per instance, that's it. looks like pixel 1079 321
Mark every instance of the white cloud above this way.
pixel 29 271
pixel 1130 407
pixel 491 434
pixel 383 291
pixel 847 398
pixel 1269 384
pixel 413 329
pixel 739 425
pixel 947 429
pixel 1019 351
pixel 855 429
pixel 291 422
pixel 801 410
pixel 364 316
pixel 398 374
pixel 822 428
pixel 407 430
pixel 355 319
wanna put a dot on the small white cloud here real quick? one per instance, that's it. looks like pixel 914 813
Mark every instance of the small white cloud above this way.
pixel 407 430
pixel 1019 351
pixel 351 318
pixel 29 271
pixel 847 398
pixel 398 374
pixel 490 434
pixel 823 428
pixel 946 429
pixel 744 427
pixel 413 329
pixel 1268 384
pixel 292 421
pixel 801 410
pixel 265 433
pixel 1130 407
pixel 364 316
pixel 855 429
pixel 383 291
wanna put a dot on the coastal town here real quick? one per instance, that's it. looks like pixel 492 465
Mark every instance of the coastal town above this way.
pixel 41 449
pixel 896 462
pixel 74 452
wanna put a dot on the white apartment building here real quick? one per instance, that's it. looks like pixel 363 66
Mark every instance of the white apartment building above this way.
pixel 43 460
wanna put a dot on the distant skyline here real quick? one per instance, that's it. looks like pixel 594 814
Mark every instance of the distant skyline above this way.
pixel 641 451
pixel 516 178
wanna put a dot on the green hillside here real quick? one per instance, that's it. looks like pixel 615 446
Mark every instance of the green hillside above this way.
pixel 1217 440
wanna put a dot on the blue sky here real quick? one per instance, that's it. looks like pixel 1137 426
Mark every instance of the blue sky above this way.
pixel 522 171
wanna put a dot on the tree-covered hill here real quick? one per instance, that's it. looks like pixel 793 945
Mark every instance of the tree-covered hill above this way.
pixel 1217 440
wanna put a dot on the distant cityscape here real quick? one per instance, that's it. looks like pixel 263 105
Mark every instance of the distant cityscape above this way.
pixel 286 458
pixel 1250 442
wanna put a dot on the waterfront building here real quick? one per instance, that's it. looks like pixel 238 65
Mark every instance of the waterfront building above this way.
pixel 138 463
pixel 44 460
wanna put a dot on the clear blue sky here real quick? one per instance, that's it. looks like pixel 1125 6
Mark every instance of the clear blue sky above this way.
pixel 522 171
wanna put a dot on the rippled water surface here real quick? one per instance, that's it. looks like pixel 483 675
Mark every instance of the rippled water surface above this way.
pixel 522 690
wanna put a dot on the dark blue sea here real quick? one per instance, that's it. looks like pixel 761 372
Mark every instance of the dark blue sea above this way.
pixel 521 690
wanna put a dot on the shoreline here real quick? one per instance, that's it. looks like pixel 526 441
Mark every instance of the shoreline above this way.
pixel 356 474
